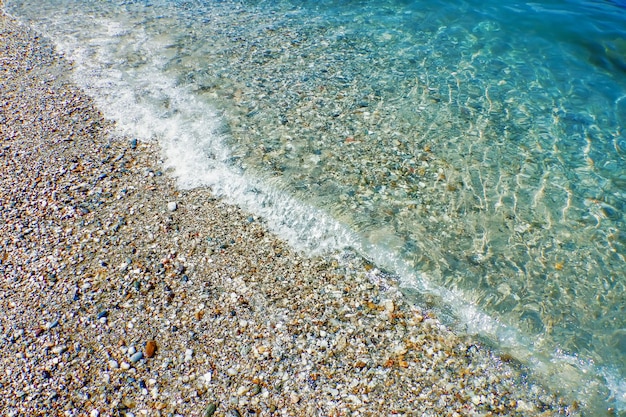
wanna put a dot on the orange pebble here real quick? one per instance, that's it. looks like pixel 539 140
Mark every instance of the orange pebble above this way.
pixel 150 348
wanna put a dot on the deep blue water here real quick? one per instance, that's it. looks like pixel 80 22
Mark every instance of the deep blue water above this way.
pixel 474 150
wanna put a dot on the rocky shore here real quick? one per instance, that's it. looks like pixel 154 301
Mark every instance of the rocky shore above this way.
pixel 122 295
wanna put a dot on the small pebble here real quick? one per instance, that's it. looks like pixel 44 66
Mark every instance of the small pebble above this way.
pixel 210 410
pixel 172 206
pixel 59 349
pixel 136 357
pixel 150 348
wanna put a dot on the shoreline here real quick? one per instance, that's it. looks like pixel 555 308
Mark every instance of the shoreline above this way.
pixel 103 259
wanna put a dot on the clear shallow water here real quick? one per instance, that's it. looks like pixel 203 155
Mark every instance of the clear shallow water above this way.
pixel 477 151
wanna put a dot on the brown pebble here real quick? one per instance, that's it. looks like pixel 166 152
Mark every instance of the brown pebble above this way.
pixel 360 364
pixel 150 348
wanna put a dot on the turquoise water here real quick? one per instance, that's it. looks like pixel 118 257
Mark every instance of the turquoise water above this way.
pixel 476 151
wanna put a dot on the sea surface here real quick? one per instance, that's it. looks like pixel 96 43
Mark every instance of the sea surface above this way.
pixel 475 151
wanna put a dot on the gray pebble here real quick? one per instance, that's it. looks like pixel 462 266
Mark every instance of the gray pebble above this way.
pixel 210 410
pixel 137 356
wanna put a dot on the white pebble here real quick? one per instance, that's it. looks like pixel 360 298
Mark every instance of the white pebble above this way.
pixel 172 206
pixel 207 377
pixel 59 349
pixel 113 364
pixel 389 306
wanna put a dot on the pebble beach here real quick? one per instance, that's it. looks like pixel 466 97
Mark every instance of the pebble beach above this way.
pixel 123 295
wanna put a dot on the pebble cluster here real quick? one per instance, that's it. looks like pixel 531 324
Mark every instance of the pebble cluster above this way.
pixel 121 295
